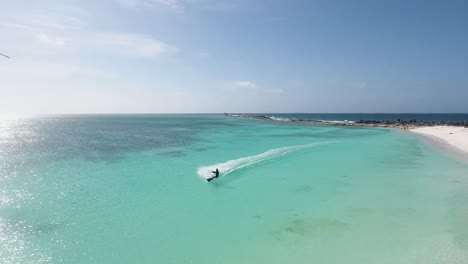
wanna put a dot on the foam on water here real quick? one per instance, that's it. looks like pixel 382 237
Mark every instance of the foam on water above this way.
pixel 236 164
pixel 280 119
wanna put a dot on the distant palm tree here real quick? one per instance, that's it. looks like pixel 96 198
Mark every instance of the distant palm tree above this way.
pixel 4 55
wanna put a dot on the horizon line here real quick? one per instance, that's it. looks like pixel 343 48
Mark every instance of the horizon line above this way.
pixel 222 113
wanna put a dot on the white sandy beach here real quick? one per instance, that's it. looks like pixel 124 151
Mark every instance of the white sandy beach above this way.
pixel 454 136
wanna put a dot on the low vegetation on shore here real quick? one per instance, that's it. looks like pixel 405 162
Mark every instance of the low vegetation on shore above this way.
pixel 401 124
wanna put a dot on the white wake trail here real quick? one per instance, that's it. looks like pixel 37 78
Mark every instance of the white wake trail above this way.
pixel 236 164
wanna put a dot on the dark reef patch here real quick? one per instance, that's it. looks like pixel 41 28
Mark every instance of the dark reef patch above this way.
pixel 303 227
pixel 172 154
pixel 104 138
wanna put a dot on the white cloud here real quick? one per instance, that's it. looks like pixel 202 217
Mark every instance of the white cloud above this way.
pixel 176 5
pixel 59 30
pixel 222 6
pixel 41 19
pixel 120 44
pixel 125 44
pixel 246 85
pixel 252 87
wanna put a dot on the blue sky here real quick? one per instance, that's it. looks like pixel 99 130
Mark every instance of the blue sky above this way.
pixel 159 56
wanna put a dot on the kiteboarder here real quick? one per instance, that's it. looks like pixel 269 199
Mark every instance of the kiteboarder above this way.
pixel 216 175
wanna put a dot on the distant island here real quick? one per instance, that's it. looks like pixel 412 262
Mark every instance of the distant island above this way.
pixel 451 133
pixel 400 124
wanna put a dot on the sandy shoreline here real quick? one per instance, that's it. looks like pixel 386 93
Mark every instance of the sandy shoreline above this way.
pixel 455 144
pixel 456 137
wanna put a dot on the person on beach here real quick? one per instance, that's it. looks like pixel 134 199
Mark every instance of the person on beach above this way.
pixel 216 175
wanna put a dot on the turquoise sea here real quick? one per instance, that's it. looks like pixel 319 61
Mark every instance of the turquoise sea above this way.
pixel 132 189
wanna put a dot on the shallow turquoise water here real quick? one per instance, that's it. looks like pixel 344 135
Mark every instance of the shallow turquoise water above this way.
pixel 130 189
